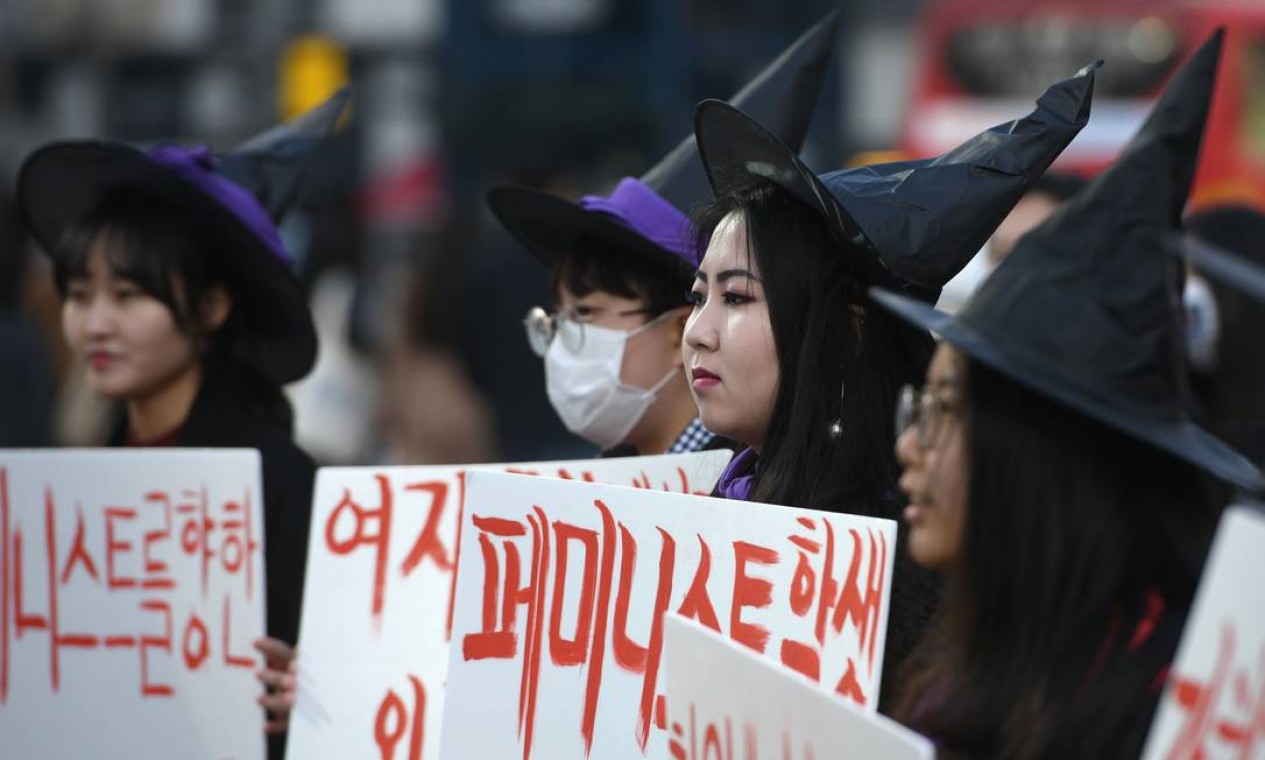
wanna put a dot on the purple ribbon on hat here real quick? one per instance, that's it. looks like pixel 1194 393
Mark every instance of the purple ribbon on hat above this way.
pixel 645 212
pixel 738 480
pixel 196 165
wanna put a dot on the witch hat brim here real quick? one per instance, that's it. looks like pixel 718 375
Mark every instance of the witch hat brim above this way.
pixel 1181 438
pixel 553 228
pixel 909 225
pixel 1227 268
pixel 61 183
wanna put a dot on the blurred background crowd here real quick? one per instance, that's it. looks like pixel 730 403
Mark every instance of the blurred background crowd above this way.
pixel 419 295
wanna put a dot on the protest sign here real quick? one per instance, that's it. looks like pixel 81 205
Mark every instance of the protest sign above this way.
pixel 562 586
pixel 131 589
pixel 1214 702
pixel 373 644
pixel 725 702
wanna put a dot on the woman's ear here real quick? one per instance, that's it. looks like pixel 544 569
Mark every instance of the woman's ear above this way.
pixel 217 304
pixel 679 322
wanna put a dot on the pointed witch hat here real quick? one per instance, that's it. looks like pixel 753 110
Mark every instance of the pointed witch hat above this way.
pixel 235 198
pixel 908 225
pixel 1086 309
pixel 649 216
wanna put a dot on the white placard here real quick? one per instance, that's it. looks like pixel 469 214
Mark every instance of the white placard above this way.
pixel 725 701
pixel 1214 702
pixel 557 631
pixel 373 643
pixel 133 588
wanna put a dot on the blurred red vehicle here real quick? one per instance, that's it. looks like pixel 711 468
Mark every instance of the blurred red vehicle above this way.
pixel 983 61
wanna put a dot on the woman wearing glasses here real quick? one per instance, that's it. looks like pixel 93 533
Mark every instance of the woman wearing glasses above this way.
pixel 621 267
pixel 786 352
pixel 1053 475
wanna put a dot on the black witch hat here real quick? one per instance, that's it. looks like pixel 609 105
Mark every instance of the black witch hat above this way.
pixel 909 225
pixel 648 216
pixel 1086 309
pixel 235 198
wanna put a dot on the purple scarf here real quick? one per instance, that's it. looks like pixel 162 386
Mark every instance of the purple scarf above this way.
pixel 738 479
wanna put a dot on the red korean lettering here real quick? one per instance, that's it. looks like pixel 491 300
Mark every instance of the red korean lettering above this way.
pixel 629 655
pixel 239 544
pixel 498 637
pixel 573 651
pixel 697 605
pixel 196 531
pixel 750 591
pixel 393 723
pixel 162 642
pixel 428 544
pixel 594 685
pixel 378 536
pixel 114 547
pixel 811 588
pixel 864 608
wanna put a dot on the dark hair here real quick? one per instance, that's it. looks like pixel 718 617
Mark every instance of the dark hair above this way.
pixel 812 295
pixel 1234 392
pixel 598 266
pixel 1074 535
pixel 155 246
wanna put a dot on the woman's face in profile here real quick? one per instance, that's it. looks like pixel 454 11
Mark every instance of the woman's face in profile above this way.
pixel 728 349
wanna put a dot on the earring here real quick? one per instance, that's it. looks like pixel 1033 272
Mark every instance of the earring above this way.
pixel 836 427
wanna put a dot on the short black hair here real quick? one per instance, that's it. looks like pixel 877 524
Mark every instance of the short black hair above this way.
pixel 595 265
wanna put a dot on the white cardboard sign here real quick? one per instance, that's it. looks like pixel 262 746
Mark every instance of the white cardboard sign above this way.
pixel 131 590
pixel 373 643
pixel 562 586
pixel 1214 702
pixel 726 702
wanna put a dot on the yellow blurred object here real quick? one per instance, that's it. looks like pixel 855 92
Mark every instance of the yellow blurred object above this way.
pixel 312 68
pixel 1237 192
pixel 868 157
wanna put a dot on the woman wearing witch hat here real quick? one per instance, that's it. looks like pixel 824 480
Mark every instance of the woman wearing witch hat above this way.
pixel 621 266
pixel 177 292
pixel 788 355
pixel 1053 474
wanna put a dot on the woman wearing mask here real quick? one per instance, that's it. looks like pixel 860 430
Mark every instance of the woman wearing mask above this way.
pixel 177 294
pixel 1054 476
pixel 787 354
pixel 621 266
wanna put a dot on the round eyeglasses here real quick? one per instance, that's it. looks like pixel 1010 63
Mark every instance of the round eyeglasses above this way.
pixel 924 409
pixel 542 327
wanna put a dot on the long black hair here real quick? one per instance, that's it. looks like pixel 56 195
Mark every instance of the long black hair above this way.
pixel 154 245
pixel 1081 551
pixel 839 357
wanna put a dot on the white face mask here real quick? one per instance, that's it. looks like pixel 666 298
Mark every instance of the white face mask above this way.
pixel 584 385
